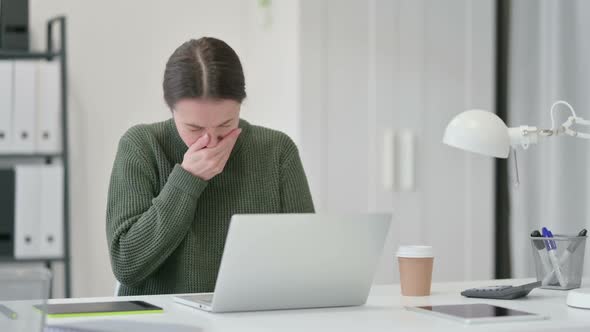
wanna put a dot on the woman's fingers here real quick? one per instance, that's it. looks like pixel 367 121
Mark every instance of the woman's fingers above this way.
pixel 200 143
pixel 207 162
pixel 226 144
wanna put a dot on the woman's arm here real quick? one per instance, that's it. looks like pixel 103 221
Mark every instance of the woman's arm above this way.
pixel 143 226
pixel 295 194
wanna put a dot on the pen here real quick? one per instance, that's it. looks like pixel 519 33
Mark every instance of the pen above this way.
pixel 551 247
pixel 540 246
pixel 7 312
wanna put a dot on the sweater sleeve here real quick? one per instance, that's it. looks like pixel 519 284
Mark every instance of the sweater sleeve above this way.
pixel 295 194
pixel 143 226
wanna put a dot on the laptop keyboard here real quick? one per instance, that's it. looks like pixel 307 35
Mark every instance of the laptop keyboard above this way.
pixel 50 328
pixel 205 298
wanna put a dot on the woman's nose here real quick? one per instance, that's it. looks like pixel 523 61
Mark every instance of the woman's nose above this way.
pixel 213 140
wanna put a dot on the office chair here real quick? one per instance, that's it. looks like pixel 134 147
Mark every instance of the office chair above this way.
pixel 117 287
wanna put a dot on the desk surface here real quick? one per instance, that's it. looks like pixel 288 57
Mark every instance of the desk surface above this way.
pixel 384 311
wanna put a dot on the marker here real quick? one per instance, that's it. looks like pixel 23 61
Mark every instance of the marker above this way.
pixel 547 268
pixel 551 247
pixel 566 255
pixel 574 245
pixel 7 312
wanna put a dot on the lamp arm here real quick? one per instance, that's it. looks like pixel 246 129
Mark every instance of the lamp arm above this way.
pixel 566 127
pixel 573 120
pixel 524 136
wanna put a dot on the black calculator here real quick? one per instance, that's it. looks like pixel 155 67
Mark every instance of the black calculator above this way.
pixel 501 292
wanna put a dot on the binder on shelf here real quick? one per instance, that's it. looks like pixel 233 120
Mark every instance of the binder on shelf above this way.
pixel 22 74
pixel 48 134
pixel 27 212
pixel 6 94
pixel 6 212
pixel 52 204
pixel 25 102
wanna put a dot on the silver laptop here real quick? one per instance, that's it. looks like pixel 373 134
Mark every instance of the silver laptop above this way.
pixel 288 261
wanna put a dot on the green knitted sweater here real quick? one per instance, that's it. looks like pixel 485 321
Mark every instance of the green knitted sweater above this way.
pixel 166 228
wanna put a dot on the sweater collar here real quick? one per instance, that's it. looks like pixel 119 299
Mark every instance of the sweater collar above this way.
pixel 180 146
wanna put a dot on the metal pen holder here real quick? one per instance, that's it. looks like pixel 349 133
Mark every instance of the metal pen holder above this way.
pixel 559 261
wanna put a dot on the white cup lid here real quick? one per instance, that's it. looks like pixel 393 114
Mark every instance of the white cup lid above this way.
pixel 415 251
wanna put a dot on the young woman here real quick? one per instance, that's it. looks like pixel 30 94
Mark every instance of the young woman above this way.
pixel 175 184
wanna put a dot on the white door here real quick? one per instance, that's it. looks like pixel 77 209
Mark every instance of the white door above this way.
pixel 380 81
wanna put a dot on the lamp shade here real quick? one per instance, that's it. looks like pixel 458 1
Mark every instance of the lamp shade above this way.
pixel 480 132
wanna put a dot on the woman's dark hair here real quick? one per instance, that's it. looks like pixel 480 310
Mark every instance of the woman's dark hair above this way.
pixel 203 68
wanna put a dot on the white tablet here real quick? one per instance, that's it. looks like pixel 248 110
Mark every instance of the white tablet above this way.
pixel 477 313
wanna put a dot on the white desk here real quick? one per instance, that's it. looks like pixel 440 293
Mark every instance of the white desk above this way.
pixel 384 311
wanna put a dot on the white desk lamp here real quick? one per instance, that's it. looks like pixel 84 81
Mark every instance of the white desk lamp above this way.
pixel 485 133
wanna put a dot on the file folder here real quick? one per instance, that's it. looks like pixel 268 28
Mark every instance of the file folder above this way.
pixel 52 207
pixel 27 211
pixel 48 134
pixel 6 212
pixel 6 100
pixel 25 101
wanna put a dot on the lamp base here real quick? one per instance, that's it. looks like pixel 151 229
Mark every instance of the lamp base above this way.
pixel 579 298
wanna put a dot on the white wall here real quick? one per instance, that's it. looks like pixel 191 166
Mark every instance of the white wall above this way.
pixel 117 52
pixel 375 66
pixel 270 44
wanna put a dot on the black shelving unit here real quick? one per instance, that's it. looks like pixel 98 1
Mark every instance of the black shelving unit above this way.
pixel 52 53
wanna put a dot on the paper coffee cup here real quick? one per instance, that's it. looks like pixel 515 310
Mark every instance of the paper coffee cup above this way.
pixel 415 269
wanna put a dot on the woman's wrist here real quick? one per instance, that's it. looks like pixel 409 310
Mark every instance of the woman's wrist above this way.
pixel 184 180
